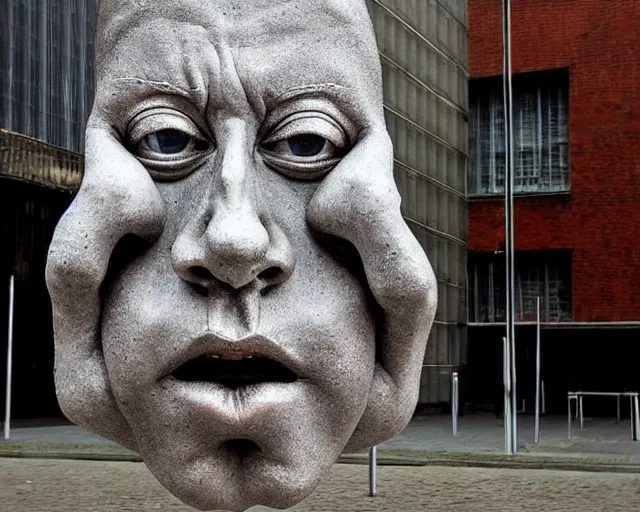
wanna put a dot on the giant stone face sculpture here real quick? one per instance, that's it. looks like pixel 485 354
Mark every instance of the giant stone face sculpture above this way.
pixel 236 295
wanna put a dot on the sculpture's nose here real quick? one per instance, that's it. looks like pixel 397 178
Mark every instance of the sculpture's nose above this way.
pixel 234 239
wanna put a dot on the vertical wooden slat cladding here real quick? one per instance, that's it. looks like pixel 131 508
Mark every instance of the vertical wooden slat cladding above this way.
pixel 46 57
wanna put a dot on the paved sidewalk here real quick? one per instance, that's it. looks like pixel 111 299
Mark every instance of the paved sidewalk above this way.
pixel 484 433
pixel 602 440
pixel 95 486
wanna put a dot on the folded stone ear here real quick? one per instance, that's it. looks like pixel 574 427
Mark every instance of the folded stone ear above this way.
pixel 117 197
pixel 359 202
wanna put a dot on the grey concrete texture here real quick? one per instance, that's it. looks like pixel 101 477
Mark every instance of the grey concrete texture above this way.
pixel 238 214
pixel 78 486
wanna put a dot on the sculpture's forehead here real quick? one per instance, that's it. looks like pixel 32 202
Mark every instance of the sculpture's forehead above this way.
pixel 322 40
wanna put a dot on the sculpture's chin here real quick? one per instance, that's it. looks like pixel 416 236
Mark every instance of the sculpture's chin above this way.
pixel 237 478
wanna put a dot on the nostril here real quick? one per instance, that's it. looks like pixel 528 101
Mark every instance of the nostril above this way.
pixel 201 273
pixel 271 275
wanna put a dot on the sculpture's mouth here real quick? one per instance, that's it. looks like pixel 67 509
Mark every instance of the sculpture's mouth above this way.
pixel 234 370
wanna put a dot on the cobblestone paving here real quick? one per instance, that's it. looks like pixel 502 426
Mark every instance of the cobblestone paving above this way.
pixel 78 486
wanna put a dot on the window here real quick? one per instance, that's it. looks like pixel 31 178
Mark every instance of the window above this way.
pixel 544 274
pixel 541 154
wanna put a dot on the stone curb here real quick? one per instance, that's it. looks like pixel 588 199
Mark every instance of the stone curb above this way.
pixel 441 459
pixel 512 462
pixel 107 457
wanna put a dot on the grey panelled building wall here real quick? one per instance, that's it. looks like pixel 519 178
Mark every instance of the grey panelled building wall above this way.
pixel 46 58
pixel 423 48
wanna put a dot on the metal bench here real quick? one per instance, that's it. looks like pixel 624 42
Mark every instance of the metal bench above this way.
pixel 633 402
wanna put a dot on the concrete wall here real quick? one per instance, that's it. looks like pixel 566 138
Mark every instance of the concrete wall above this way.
pixel 423 49
pixel 598 219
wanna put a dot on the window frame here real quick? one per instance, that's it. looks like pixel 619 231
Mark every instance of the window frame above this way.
pixel 543 80
pixel 489 307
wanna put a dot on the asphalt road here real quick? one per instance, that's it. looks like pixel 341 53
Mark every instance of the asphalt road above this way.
pixel 78 486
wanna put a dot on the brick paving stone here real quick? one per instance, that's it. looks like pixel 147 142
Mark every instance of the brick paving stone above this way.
pixel 28 485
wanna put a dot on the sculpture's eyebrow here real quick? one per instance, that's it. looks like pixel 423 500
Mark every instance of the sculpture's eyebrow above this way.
pixel 311 88
pixel 134 89
pixel 345 97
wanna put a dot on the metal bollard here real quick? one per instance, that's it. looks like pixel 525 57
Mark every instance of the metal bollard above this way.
pixel 454 403
pixel 636 411
pixel 633 419
pixel 506 374
pixel 373 462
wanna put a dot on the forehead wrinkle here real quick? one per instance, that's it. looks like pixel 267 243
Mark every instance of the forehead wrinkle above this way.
pixel 246 22
pixel 164 58
pixel 312 37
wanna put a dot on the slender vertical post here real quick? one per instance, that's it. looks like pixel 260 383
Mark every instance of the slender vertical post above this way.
pixel 581 412
pixel 508 426
pixel 373 462
pixel 632 419
pixel 7 410
pixel 618 409
pixel 536 429
pixel 509 213
pixel 543 404
pixel 454 403
pixel 569 414
pixel 636 410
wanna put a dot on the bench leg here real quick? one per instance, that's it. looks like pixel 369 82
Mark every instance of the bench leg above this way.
pixel 581 412
pixel 569 414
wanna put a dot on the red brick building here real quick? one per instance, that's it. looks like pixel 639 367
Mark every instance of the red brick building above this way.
pixel 577 213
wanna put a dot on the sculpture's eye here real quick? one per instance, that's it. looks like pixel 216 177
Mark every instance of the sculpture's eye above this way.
pixel 305 145
pixel 167 143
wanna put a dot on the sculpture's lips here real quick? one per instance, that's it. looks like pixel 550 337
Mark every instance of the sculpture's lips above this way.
pixel 235 363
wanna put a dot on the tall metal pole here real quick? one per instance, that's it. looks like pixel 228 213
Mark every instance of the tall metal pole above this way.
pixel 509 214
pixel 7 410
pixel 536 430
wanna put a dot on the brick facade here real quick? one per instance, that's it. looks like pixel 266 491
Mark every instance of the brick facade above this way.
pixel 599 219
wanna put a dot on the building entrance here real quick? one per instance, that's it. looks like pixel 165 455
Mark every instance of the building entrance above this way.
pixel 573 358
pixel 28 216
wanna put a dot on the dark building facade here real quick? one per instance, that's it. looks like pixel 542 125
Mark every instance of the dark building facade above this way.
pixel 577 235
pixel 46 68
